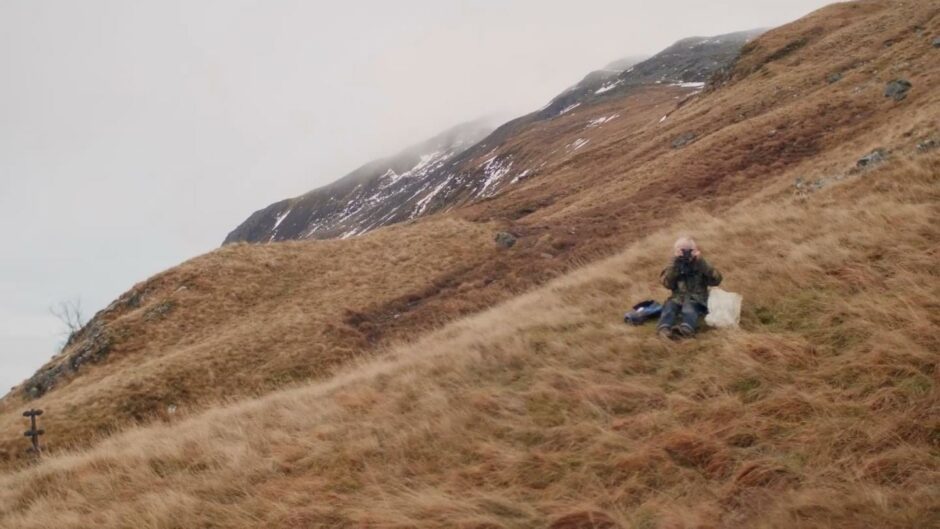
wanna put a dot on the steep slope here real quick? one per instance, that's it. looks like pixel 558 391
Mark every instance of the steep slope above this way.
pixel 451 170
pixel 779 120
pixel 773 119
pixel 378 193
pixel 240 321
pixel 821 412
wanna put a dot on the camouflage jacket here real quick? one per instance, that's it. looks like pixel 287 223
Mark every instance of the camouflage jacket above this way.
pixel 692 286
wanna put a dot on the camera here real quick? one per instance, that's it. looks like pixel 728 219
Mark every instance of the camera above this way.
pixel 684 262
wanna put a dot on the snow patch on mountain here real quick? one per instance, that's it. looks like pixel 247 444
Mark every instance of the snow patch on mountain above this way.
pixel 569 108
pixel 520 176
pixel 280 219
pixel 601 120
pixel 577 144
pixel 422 204
pixel 610 86
pixel 494 170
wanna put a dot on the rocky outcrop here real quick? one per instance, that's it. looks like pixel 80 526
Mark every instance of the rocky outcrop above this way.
pixel 873 158
pixel 684 139
pixel 928 145
pixel 88 346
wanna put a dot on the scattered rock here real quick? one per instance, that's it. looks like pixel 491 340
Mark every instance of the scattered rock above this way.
pixel 928 145
pixel 834 77
pixel 936 42
pixel 873 158
pixel 684 139
pixel 898 89
pixel 133 301
pixel 505 239
pixel 158 311
pixel 128 301
pixel 807 186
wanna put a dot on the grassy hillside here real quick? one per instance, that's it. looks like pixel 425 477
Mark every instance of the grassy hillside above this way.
pixel 821 411
pixel 246 320
pixel 239 321
pixel 547 411
pixel 776 118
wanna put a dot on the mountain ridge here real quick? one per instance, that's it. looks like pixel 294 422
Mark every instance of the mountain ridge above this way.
pixel 466 172
pixel 327 207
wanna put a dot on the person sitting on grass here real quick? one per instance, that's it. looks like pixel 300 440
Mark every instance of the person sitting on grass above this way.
pixel 688 277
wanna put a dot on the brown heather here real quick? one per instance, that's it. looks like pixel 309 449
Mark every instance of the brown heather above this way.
pixel 545 410
pixel 243 320
pixel 822 411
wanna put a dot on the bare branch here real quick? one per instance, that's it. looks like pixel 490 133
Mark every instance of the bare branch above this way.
pixel 71 315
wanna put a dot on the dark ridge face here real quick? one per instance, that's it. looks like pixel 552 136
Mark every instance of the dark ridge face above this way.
pixel 381 192
pixel 691 60
pixel 462 164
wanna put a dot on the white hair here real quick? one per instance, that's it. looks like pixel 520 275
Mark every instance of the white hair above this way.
pixel 685 243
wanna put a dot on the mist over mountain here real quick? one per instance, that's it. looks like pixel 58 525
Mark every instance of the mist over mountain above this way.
pixel 464 164
pixel 381 192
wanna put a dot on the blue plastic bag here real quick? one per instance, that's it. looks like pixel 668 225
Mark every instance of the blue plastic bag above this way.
pixel 643 311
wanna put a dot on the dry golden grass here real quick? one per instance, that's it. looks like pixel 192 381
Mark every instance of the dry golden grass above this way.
pixel 547 411
pixel 241 321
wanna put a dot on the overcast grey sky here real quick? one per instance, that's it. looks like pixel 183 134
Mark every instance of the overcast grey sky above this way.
pixel 136 134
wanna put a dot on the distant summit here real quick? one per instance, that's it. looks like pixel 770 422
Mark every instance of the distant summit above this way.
pixel 622 64
pixel 471 161
pixel 381 192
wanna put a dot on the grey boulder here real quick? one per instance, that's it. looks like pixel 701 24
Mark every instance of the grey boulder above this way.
pixel 898 89
pixel 505 239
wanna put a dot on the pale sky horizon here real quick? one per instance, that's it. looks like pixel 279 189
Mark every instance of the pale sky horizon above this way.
pixel 136 135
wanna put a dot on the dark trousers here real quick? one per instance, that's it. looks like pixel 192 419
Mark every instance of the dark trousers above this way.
pixel 689 313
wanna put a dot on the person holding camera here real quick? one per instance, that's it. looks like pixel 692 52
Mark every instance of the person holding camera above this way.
pixel 688 277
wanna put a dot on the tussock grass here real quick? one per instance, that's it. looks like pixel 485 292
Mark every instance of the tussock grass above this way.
pixel 246 320
pixel 547 411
